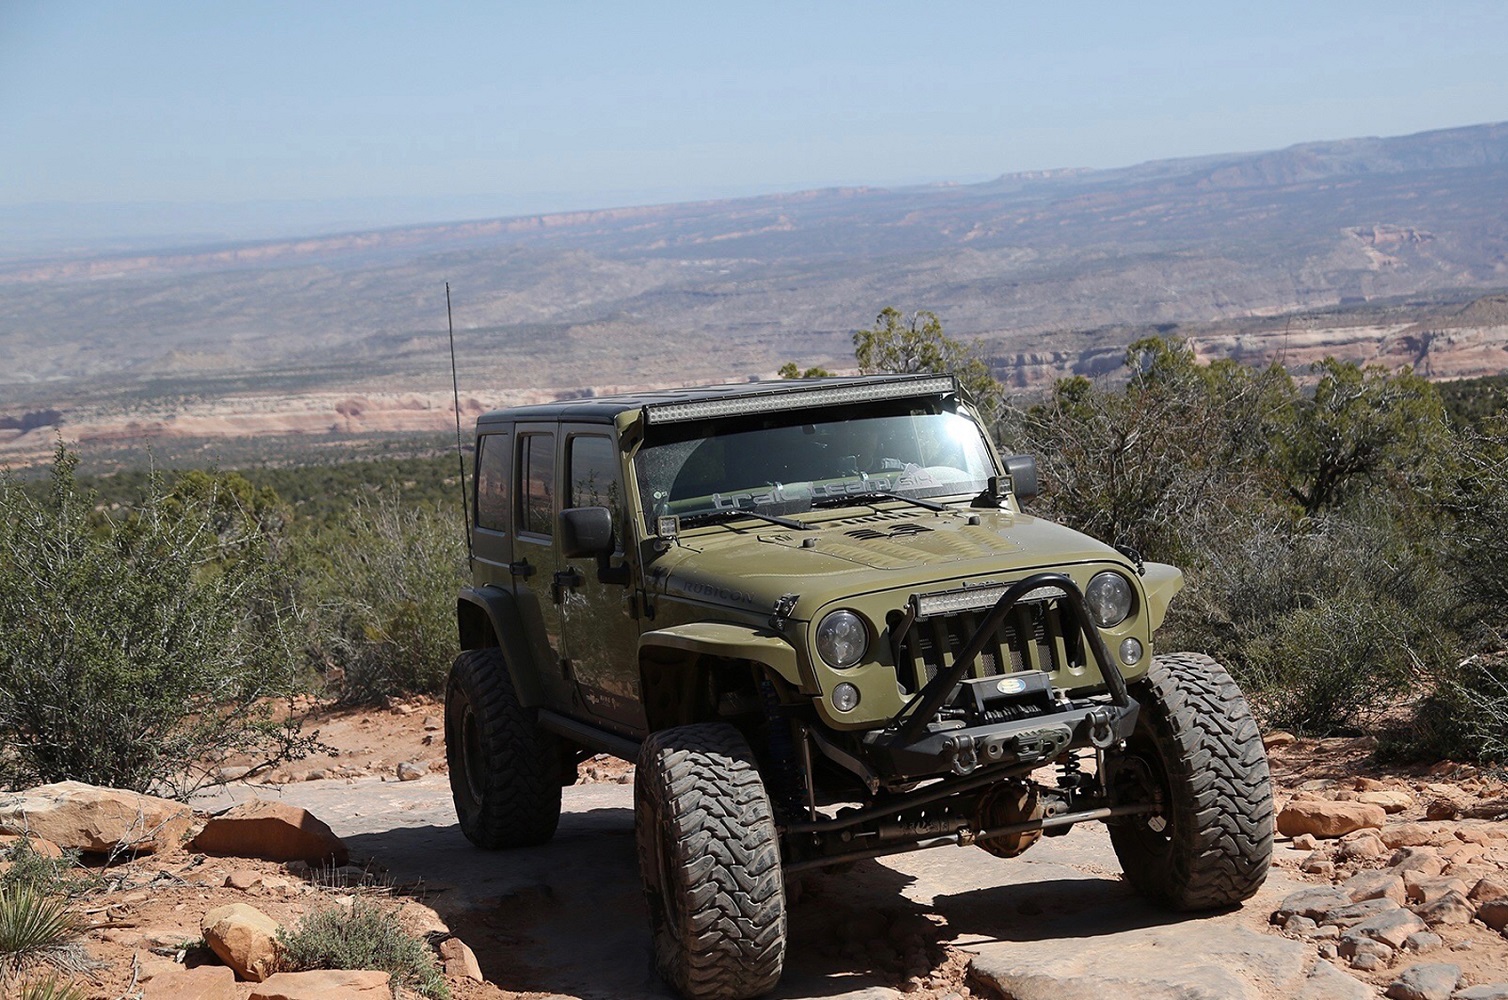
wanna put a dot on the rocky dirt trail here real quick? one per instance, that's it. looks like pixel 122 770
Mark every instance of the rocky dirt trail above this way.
pixel 1362 912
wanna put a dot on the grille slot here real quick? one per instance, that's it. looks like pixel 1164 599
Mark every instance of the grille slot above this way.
pixel 1030 638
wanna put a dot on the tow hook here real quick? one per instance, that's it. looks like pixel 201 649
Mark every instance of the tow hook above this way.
pixel 961 747
pixel 1101 733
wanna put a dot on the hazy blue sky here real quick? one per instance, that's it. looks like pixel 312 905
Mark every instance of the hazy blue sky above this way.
pixel 538 106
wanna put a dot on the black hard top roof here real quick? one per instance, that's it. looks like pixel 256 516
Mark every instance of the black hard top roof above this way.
pixel 593 409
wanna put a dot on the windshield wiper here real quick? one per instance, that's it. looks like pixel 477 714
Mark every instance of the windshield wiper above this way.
pixel 784 522
pixel 867 495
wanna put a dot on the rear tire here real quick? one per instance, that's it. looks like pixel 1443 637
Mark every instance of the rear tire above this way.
pixel 710 859
pixel 1197 749
pixel 504 768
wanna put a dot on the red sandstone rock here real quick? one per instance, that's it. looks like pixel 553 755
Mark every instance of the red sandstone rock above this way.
pixel 1324 818
pixel 273 831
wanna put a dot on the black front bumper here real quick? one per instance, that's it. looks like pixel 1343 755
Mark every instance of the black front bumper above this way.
pixel 923 740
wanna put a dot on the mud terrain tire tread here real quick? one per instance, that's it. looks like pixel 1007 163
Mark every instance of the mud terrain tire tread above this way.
pixel 710 859
pixel 516 801
pixel 1219 837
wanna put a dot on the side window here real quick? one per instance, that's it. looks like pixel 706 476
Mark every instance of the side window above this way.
pixel 593 465
pixel 536 483
pixel 492 482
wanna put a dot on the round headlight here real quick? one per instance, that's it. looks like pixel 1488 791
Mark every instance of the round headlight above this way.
pixel 842 639
pixel 1108 597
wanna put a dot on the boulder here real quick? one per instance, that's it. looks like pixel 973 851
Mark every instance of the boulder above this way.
pixel 1452 909
pixel 459 959
pixel 1427 890
pixel 204 982
pixel 1363 846
pixel 1375 885
pixel 1443 807
pixel 1487 991
pixel 1355 913
pixel 1392 800
pixel 1424 860
pixel 1365 954
pixel 1423 941
pixel 1324 818
pixel 1391 927
pixel 1397 835
pixel 272 831
pixel 325 984
pixel 96 820
pixel 1494 913
pixel 1426 981
pixel 1326 982
pixel 245 938
pixel 1313 903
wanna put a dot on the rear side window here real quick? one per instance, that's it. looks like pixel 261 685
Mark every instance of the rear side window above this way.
pixel 492 482
pixel 536 483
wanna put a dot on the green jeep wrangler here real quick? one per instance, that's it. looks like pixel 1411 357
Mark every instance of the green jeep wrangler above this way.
pixel 816 616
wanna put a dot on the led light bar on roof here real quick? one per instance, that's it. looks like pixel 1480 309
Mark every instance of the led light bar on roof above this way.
pixel 798 399
pixel 975 599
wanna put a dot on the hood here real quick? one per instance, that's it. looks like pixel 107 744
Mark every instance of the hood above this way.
pixel 750 567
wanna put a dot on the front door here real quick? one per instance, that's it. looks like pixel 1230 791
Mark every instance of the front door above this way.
pixel 601 634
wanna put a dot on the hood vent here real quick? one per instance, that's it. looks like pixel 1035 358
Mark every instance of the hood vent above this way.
pixel 899 531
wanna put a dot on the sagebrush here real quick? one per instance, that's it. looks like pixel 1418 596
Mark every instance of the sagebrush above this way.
pixel 156 639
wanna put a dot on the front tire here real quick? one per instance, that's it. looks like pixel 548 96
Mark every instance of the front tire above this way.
pixel 1197 751
pixel 504 767
pixel 710 860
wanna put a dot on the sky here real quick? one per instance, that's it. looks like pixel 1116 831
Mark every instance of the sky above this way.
pixel 120 119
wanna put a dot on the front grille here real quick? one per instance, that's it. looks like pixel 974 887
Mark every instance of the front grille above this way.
pixel 1032 637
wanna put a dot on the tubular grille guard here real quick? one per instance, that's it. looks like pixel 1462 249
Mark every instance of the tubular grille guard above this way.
pixel 1034 635
pixel 1072 617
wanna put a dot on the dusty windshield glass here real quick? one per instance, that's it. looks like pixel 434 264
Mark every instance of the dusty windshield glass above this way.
pixel 792 462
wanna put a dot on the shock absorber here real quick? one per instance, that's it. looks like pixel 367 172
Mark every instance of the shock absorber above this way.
pixel 786 771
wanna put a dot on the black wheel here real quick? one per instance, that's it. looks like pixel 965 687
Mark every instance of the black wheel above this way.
pixel 710 859
pixel 504 768
pixel 1197 752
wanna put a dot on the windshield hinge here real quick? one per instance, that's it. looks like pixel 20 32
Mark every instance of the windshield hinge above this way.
pixel 783 608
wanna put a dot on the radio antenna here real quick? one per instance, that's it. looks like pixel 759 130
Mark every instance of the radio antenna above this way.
pixel 455 386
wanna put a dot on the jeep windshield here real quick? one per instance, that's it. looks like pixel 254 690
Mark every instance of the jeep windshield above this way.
pixel 784 463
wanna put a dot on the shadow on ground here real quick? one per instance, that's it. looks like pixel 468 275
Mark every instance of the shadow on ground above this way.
pixel 568 918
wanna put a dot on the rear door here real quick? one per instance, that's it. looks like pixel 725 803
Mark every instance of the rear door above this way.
pixel 536 566
pixel 492 539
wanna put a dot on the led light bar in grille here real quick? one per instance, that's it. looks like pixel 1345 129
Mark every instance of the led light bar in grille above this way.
pixel 974 599
pixel 798 399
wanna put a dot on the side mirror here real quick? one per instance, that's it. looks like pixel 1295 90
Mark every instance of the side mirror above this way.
pixel 586 532
pixel 1022 470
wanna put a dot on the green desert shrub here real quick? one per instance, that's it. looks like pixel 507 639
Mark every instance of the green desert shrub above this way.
pixel 383 592
pixel 29 868
pixel 365 935
pixel 138 648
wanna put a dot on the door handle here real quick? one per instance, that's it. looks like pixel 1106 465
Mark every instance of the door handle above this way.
pixel 566 578
pixel 521 568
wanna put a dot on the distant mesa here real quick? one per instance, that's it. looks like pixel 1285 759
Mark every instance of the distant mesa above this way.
pixel 32 421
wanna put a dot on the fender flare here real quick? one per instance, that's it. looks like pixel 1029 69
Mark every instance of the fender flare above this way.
pixel 736 642
pixel 1161 583
pixel 499 609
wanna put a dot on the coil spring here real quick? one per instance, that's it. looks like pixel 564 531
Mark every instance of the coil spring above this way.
pixel 1070 770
